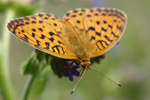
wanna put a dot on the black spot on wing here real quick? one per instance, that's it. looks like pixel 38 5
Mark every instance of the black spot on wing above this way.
pixel 67 14
pixel 53 18
pixel 47 45
pixel 34 17
pixel 110 26
pixel 91 10
pixel 48 15
pixel 80 13
pixel 106 10
pixel 16 21
pixel 98 9
pixel 115 20
pixel 41 15
pixel 107 38
pixel 42 36
pixel 33 29
pixel 104 14
pixel 104 29
pixel 25 38
pixel 104 22
pixel 96 14
pixel 26 18
pixel 40 29
pixel 51 33
pixel 33 22
pixel 97 33
pixel 40 21
pixel 73 16
pixel 97 22
pixel 55 24
pixel 88 15
pixel 78 21
pixel 60 42
pixel 92 38
pixel 75 11
pixel 101 43
pixel 51 39
pixel 120 28
pixel 57 47
pixel 33 34
pixel 38 43
pixel 45 17
pixel 27 23
pixel 115 35
pixel 83 10
pixel 22 31
pixel 91 28
pixel 21 20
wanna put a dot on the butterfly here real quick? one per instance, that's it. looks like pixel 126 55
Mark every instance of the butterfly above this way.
pixel 82 34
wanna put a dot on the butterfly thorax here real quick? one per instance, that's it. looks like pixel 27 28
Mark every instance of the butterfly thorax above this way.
pixel 76 46
pixel 75 43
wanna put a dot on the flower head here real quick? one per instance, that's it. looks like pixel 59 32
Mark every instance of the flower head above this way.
pixel 117 43
pixel 72 70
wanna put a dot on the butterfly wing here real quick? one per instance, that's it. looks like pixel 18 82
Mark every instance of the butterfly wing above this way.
pixel 99 28
pixel 109 28
pixel 42 31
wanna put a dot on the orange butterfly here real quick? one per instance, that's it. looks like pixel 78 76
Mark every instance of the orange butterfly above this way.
pixel 81 35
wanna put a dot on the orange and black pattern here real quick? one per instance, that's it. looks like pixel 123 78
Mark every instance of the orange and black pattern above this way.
pixel 83 33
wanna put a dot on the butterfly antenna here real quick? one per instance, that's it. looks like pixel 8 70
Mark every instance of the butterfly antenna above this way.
pixel 78 82
pixel 107 77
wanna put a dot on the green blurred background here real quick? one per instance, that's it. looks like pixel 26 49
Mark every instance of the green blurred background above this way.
pixel 127 63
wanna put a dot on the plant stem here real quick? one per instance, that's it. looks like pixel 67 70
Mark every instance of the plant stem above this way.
pixel 27 88
pixel 5 85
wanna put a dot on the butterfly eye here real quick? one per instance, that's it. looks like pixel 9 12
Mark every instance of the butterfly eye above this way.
pixel 82 63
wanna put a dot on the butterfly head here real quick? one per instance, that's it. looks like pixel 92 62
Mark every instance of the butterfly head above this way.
pixel 86 64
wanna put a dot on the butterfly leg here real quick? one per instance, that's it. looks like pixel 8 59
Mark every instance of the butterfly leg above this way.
pixel 81 71
pixel 70 64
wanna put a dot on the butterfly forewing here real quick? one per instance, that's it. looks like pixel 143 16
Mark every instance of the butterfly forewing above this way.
pixel 42 34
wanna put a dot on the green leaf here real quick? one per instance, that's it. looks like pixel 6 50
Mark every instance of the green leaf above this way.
pixel 38 86
pixel 45 69
pixel 30 66
pixel 57 66
pixel 40 55
pixel 48 58
pixel 40 82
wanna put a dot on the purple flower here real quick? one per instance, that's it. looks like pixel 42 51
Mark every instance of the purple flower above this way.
pixel 117 43
pixel 72 70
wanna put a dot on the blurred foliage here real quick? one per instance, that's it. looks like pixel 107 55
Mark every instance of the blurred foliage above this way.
pixel 2 7
pixel 20 10
pixel 24 10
